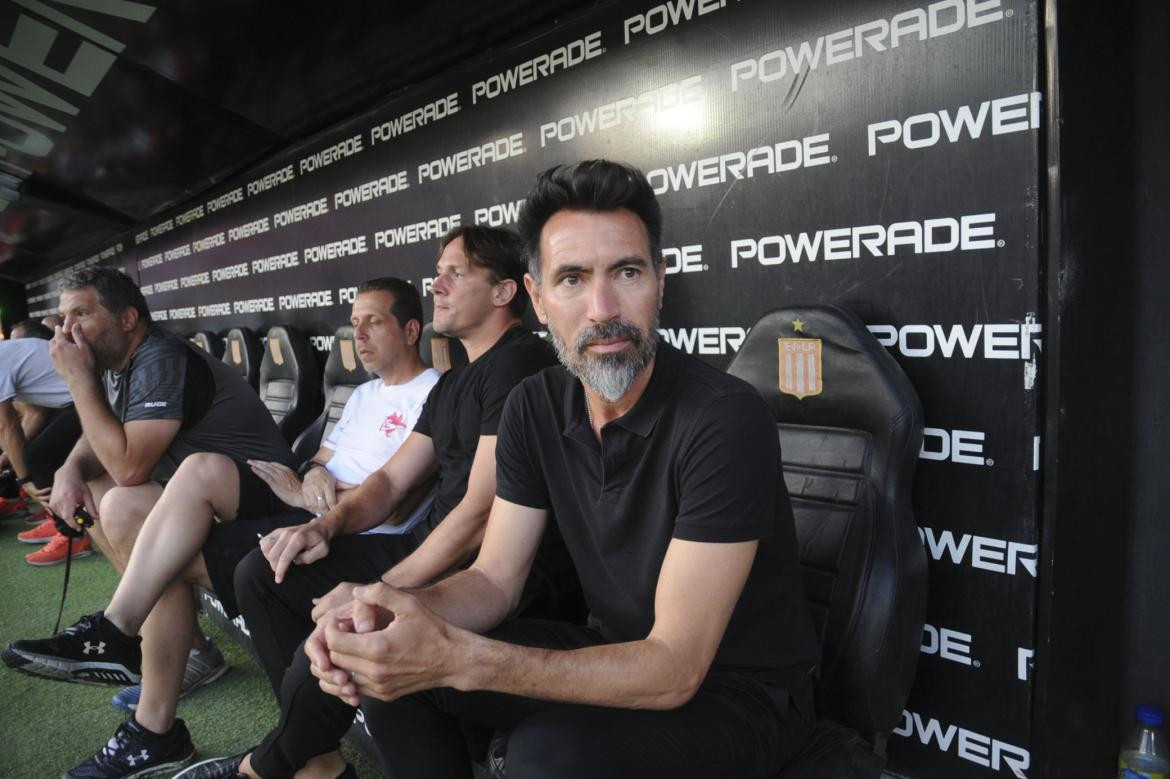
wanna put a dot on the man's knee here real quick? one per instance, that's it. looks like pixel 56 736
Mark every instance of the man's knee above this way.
pixel 122 511
pixel 205 469
pixel 552 743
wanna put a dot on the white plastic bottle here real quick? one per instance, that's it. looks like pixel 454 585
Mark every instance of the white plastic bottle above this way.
pixel 1144 753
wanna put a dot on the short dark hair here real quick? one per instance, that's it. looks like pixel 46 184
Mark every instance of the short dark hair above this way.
pixel 33 329
pixel 591 185
pixel 407 303
pixel 497 249
pixel 115 290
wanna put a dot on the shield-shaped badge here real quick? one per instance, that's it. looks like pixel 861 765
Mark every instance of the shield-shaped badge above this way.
pixel 800 367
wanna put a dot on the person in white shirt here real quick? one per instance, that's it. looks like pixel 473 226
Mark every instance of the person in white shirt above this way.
pixel 378 416
pixel 32 395
pixel 376 420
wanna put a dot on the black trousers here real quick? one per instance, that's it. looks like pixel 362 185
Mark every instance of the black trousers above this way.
pixel 278 614
pixel 312 722
pixel 735 726
pixel 278 617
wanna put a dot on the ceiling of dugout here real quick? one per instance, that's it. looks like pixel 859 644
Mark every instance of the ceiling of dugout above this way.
pixel 113 111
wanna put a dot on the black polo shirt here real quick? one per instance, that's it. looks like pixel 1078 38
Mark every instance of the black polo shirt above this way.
pixel 697 458
pixel 466 403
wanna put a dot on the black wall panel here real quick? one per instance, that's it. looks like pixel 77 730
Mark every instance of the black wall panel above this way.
pixel 879 155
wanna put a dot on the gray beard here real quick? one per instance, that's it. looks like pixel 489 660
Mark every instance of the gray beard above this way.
pixel 609 375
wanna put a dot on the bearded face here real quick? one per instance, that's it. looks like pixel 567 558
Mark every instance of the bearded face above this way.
pixel 610 374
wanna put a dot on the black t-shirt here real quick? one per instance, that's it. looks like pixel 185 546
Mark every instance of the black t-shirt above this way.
pixel 698 459
pixel 168 378
pixel 466 403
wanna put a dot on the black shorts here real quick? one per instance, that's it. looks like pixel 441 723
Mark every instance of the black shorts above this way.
pixel 47 450
pixel 256 498
pixel 259 513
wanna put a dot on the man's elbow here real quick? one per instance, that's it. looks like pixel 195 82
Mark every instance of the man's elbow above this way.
pixel 131 475
pixel 679 692
pixel 681 676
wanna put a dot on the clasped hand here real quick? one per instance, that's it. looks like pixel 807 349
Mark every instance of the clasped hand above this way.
pixel 384 644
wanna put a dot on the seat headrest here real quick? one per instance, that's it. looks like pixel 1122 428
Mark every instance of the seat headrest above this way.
pixel 439 351
pixel 819 365
pixel 243 352
pixel 209 342
pixel 286 354
pixel 343 368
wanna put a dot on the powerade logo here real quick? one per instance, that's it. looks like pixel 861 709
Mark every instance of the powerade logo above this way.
pixel 966 744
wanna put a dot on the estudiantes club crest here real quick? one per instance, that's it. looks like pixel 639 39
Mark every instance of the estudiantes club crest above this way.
pixel 800 367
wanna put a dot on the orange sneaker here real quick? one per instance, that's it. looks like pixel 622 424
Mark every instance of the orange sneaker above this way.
pixel 13 507
pixel 41 534
pixel 37 518
pixel 54 552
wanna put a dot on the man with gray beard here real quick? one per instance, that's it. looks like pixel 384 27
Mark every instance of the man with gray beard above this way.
pixel 663 475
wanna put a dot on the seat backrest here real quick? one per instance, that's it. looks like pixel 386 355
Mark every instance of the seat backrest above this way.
pixel 242 351
pixel 440 352
pixel 209 342
pixel 850 427
pixel 343 374
pixel 290 384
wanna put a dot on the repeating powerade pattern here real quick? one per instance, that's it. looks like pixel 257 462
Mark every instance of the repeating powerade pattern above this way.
pixel 883 156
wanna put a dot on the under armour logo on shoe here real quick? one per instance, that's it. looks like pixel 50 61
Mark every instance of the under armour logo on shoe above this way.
pixel 133 759
pixel 100 648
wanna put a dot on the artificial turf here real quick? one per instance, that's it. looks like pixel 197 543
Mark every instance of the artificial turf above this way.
pixel 48 727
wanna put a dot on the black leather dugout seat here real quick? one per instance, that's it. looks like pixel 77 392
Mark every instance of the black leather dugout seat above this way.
pixel 850 427
pixel 439 351
pixel 242 351
pixel 290 384
pixel 209 342
pixel 343 374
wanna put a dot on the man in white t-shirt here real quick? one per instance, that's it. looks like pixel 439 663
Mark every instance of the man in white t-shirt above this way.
pixel 378 416
pixel 33 400
pixel 26 376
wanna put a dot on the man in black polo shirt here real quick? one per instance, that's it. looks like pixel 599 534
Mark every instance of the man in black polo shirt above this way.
pixel 664 477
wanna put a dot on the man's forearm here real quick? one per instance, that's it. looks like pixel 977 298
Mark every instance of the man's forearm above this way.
pixel 104 433
pixel 449 545
pixel 364 507
pixel 468 599
pixel 82 461
pixel 633 675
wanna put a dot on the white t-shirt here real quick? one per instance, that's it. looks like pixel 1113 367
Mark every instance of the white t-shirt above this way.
pixel 376 420
pixel 27 374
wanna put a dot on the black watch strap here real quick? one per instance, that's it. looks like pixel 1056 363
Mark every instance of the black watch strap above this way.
pixel 308 466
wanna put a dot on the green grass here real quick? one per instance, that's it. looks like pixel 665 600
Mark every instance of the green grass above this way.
pixel 48 727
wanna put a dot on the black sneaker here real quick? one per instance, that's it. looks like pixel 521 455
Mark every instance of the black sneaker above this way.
pixel 215 768
pixel 92 651
pixel 134 751
pixel 229 768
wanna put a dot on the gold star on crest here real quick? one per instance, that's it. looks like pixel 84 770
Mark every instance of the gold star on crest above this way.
pixel 797 325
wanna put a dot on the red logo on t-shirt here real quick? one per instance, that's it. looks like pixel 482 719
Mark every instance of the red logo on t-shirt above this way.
pixel 393 424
